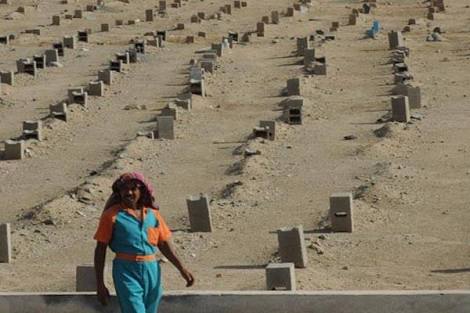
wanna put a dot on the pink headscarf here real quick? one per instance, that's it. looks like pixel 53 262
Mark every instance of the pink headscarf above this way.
pixel 115 197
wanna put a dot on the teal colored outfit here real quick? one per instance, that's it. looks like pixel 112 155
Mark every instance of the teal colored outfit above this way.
pixel 138 283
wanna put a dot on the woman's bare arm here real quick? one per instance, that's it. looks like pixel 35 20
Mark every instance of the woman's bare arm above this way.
pixel 168 251
pixel 100 258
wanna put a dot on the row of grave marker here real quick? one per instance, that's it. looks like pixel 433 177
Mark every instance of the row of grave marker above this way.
pixel 14 149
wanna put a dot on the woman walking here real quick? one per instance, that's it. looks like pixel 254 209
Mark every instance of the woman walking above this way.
pixel 131 225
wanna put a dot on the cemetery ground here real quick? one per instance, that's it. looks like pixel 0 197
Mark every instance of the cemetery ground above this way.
pixel 410 181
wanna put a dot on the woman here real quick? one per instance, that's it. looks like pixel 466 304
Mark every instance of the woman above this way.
pixel 133 228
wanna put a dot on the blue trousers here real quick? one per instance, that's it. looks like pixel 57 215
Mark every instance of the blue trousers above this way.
pixel 138 285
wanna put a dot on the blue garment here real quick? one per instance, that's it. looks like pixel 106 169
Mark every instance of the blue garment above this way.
pixel 138 285
pixel 136 273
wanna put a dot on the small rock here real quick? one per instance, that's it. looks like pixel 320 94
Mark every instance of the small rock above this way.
pixel 49 221
pixel 350 137
pixel 56 64
pixel 139 107
pixel 250 152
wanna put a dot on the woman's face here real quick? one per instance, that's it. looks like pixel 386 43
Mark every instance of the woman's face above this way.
pixel 130 193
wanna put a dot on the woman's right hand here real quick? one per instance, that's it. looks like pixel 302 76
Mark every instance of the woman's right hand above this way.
pixel 103 294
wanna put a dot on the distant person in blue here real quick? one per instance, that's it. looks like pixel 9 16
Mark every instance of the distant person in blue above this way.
pixel 131 225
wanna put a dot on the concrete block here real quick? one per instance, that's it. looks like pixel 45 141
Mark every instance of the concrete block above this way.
pixel 40 61
pixel 26 66
pixel 5 243
pixel 170 110
pixel 116 66
pixel 290 12
pixel 184 103
pixel 32 129
pixel 51 55
pixel 82 36
pixel 412 92
pixel 265 19
pixel 275 17
pixel 162 6
pixel 260 29
pixel 119 22
pixel 78 95
pixel 165 127
pixel 400 109
pixel 280 276
pixel 228 9
pixel 78 14
pixel 149 15
pixel 96 88
pixel 140 46
pixel 163 34
pixel 7 77
pixel 293 110
pixel 319 68
pixel 70 42
pixel 4 40
pixel 196 80
pixel 56 20
pixel 292 246
pixel 334 26
pixel 189 39
pixel 341 212
pixel 14 150
pixel 199 213
pixel 294 87
pixel 218 47
pixel 352 19
pixel 266 130
pixel 106 76
pixel 309 56
pixel 237 4
pixel 395 40
pixel 59 111
pixel 59 47
pixel 207 65
pixel 124 57
pixel 85 278
pixel 233 36
pixel 105 27
pixel 270 126
pixel 302 44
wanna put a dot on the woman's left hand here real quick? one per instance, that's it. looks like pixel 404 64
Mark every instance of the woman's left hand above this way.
pixel 188 277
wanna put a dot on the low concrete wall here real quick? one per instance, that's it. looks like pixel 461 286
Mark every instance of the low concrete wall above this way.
pixel 254 302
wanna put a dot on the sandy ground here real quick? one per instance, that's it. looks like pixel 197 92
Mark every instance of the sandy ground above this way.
pixel 411 222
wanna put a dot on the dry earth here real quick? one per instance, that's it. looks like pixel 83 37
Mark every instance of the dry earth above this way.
pixel 411 220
